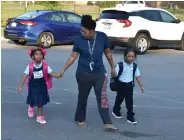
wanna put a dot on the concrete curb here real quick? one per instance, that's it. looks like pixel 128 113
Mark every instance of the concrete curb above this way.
pixel 5 45
pixel 4 39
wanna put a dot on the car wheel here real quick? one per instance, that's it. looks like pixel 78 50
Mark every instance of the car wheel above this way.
pixel 112 47
pixel 141 44
pixel 20 42
pixel 181 47
pixel 45 40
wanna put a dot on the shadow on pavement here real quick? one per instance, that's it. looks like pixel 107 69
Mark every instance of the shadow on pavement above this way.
pixel 34 43
pixel 136 135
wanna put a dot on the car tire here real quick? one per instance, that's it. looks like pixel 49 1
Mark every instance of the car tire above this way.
pixel 141 43
pixel 46 39
pixel 181 47
pixel 112 47
pixel 20 42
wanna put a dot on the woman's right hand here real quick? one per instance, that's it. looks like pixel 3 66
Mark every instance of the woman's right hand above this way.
pixel 19 90
pixel 61 73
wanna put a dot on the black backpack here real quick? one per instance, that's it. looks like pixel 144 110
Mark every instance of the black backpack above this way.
pixel 114 81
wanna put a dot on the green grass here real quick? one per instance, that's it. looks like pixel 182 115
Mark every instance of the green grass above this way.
pixel 9 10
pixel 179 13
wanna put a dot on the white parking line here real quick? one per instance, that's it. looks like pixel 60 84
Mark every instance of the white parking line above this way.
pixel 111 102
pixel 141 94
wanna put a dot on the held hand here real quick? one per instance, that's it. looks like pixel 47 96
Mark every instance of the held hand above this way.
pixel 113 72
pixel 142 89
pixel 58 76
pixel 61 73
pixel 19 90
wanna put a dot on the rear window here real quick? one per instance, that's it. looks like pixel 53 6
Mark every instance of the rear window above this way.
pixel 114 14
pixel 141 2
pixel 132 2
pixel 29 15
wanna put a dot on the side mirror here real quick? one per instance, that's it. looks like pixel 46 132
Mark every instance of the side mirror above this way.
pixel 178 21
pixel 97 19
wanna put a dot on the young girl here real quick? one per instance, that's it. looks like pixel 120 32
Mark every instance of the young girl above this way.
pixel 37 86
pixel 128 70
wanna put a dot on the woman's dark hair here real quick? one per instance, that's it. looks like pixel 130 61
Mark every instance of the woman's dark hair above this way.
pixel 129 50
pixel 88 22
pixel 34 52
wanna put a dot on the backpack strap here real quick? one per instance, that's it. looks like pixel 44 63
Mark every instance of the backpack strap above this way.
pixel 120 68
pixel 31 66
pixel 46 76
pixel 45 70
pixel 134 69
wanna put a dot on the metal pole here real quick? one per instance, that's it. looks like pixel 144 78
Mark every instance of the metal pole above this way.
pixel 99 9
pixel 74 6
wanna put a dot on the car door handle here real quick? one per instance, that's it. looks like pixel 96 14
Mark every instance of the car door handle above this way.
pixel 51 23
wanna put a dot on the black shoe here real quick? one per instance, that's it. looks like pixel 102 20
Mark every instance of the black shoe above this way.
pixel 117 115
pixel 132 121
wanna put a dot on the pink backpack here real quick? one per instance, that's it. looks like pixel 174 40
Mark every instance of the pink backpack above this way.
pixel 46 76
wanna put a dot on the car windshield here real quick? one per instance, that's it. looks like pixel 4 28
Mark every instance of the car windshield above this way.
pixel 29 15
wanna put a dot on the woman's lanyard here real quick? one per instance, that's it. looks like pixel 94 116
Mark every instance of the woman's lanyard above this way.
pixel 91 50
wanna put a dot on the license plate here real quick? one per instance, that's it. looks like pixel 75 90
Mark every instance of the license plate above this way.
pixel 14 24
pixel 9 34
pixel 107 25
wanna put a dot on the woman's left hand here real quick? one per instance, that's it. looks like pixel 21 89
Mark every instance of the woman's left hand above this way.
pixel 113 72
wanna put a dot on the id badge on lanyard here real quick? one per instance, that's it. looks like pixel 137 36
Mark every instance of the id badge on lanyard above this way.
pixel 91 50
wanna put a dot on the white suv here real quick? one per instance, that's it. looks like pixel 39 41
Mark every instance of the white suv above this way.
pixel 135 4
pixel 141 28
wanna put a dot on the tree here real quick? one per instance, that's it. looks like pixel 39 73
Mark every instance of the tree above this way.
pixel 107 4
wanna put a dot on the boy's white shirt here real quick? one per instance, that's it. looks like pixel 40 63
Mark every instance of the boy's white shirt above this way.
pixel 37 67
pixel 127 74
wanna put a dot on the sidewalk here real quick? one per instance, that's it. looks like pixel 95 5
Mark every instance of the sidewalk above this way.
pixel 4 39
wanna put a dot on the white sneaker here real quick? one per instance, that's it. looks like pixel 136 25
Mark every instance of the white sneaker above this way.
pixel 117 116
pixel 132 121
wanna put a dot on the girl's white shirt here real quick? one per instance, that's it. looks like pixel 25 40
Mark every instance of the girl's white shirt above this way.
pixel 127 74
pixel 37 67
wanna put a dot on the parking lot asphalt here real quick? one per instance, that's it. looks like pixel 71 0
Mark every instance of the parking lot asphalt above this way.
pixel 159 111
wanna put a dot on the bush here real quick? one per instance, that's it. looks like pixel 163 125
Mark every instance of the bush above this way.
pixel 107 4
pixel 50 5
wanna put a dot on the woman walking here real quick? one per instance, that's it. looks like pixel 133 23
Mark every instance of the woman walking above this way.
pixel 91 71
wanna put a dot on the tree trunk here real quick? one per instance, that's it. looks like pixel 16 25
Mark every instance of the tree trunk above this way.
pixel 74 4
pixel 26 3
pixel 158 4
pixel 33 2
pixel 20 4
